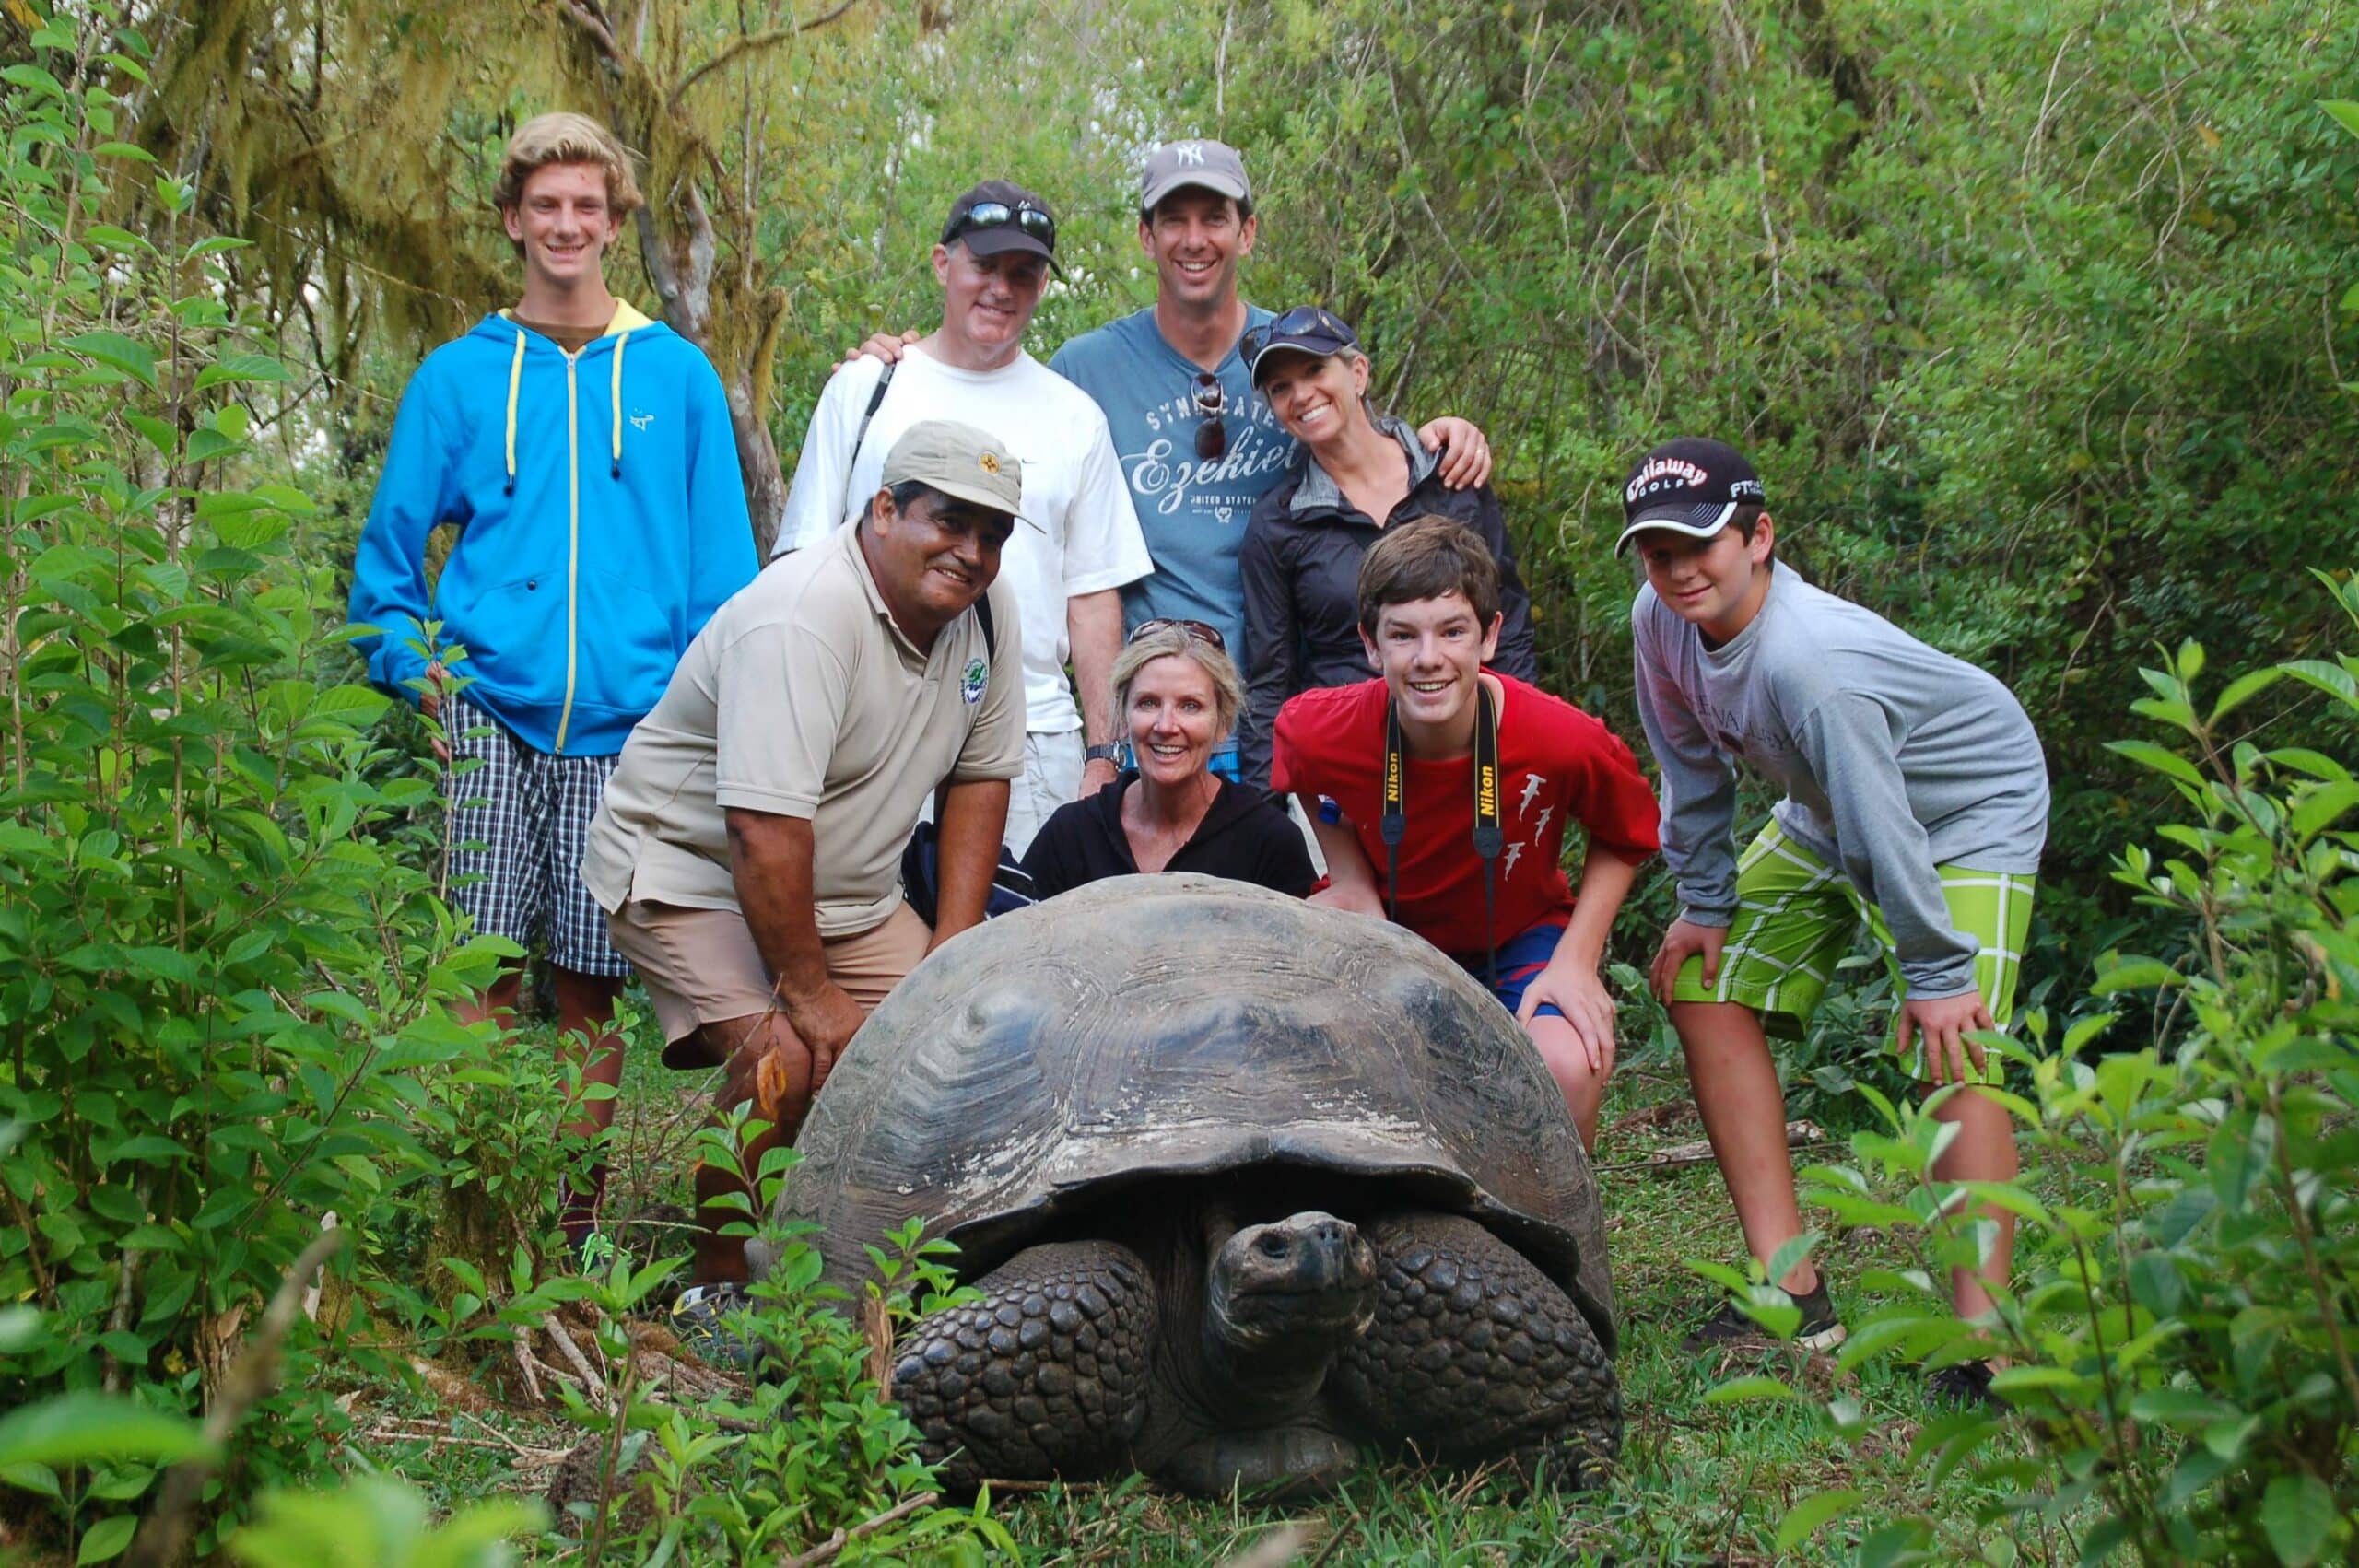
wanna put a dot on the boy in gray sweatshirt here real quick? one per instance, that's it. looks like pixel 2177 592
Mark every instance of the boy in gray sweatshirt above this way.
pixel 1916 804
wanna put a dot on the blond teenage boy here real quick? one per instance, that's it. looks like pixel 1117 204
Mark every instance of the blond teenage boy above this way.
pixel 586 454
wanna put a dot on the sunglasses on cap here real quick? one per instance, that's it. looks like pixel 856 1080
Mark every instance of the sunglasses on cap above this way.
pixel 1303 321
pixel 1196 629
pixel 999 215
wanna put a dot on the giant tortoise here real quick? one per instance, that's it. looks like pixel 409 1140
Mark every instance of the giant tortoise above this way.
pixel 1244 1184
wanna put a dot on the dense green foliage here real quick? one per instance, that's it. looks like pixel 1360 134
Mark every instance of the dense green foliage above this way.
pixel 222 964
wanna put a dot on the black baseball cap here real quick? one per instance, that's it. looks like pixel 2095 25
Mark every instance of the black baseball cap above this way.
pixel 1690 485
pixel 1306 329
pixel 997 217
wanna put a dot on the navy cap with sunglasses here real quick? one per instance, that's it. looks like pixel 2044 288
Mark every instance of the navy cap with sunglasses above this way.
pixel 996 217
pixel 1306 329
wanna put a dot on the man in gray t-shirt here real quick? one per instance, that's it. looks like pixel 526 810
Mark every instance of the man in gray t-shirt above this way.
pixel 1916 804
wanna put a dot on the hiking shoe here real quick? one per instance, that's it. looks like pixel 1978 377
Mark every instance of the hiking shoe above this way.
pixel 700 1317
pixel 1820 1329
pixel 1965 1387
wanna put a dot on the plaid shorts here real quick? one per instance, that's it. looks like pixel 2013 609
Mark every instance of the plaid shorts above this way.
pixel 1797 917
pixel 517 825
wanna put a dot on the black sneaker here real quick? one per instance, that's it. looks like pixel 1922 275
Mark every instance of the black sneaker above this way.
pixel 699 1318
pixel 1965 1387
pixel 1820 1329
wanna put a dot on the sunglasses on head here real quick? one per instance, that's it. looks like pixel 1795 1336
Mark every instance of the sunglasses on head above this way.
pixel 1212 401
pixel 1196 629
pixel 999 215
pixel 1302 319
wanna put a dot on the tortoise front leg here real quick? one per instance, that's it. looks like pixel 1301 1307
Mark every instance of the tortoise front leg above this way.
pixel 1045 1377
pixel 1476 1356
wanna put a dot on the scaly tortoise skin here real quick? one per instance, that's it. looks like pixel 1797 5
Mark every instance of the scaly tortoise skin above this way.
pixel 1245 1183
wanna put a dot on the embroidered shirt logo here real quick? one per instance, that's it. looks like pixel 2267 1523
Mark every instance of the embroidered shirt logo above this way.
pixel 642 421
pixel 971 685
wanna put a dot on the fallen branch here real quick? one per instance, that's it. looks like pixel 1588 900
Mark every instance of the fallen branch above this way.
pixel 827 1551
pixel 1023 1486
pixel 163 1536
pixel 524 1365
pixel 592 1382
pixel 1799 1135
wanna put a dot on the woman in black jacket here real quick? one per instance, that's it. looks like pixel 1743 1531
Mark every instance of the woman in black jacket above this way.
pixel 1359 474
pixel 1176 696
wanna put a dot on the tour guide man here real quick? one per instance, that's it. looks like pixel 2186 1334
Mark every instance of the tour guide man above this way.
pixel 748 850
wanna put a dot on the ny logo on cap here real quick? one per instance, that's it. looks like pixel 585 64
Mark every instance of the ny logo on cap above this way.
pixel 1190 152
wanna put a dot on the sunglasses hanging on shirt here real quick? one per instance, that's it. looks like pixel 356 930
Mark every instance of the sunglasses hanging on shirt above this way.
pixel 1212 401
pixel 1490 838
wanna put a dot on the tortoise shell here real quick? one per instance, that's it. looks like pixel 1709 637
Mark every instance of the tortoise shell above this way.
pixel 1147 1029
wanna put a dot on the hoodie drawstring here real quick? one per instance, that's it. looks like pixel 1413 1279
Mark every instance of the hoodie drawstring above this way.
pixel 515 379
pixel 620 343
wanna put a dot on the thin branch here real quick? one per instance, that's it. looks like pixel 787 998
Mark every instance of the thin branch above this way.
pixel 747 45
pixel 827 1550
pixel 164 1537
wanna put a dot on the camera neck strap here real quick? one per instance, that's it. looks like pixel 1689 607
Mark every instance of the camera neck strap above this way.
pixel 1490 838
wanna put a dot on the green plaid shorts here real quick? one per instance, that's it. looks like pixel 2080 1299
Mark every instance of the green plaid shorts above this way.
pixel 1797 917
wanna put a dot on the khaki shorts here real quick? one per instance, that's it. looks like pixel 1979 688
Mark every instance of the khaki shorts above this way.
pixel 701 965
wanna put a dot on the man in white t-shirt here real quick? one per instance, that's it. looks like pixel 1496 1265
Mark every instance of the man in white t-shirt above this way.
pixel 1084 545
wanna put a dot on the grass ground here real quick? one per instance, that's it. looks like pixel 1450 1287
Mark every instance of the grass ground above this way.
pixel 1699 1482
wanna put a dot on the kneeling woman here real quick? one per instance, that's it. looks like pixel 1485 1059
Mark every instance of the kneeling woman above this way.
pixel 1177 695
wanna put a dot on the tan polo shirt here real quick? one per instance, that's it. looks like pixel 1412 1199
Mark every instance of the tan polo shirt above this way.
pixel 802 697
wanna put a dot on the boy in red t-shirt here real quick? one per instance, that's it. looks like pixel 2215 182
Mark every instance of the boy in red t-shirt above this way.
pixel 1429 617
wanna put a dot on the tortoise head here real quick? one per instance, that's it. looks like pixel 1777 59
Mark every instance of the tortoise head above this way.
pixel 1300 1289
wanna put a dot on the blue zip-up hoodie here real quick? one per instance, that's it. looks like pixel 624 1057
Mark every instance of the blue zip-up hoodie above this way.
pixel 602 519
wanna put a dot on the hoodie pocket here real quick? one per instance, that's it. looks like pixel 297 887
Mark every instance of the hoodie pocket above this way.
pixel 627 646
pixel 514 635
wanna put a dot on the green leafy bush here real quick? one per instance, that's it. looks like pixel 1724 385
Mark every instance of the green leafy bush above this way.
pixel 222 969
pixel 812 1449
pixel 2185 1324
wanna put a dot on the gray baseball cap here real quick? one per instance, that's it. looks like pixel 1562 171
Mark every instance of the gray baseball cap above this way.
pixel 1213 166
pixel 959 461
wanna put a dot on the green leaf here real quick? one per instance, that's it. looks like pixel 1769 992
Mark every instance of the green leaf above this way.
pixel 36 1479
pixel 2346 112
pixel 2148 754
pixel 2135 974
pixel 79 1429
pixel 136 359
pixel 2321 806
pixel 106 1538
pixel 2242 688
pixel 1807 1516
pixel 2298 1513
pixel 241 368
pixel 1760 1386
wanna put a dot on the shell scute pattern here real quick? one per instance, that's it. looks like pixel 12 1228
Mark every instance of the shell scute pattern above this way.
pixel 1159 1026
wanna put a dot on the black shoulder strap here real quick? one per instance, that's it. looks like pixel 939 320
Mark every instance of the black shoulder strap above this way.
pixel 875 402
pixel 991 632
